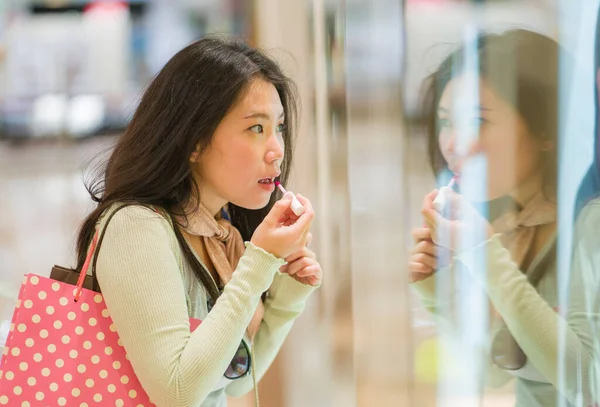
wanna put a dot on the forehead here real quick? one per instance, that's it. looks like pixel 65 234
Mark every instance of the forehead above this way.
pixel 259 96
pixel 466 90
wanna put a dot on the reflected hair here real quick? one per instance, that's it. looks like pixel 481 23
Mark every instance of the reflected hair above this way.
pixel 522 67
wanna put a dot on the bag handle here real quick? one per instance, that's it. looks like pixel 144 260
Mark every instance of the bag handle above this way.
pixel 95 248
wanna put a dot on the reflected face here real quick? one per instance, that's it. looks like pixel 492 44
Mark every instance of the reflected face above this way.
pixel 488 132
pixel 243 157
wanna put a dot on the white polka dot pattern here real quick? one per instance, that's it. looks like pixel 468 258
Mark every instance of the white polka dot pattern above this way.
pixel 62 352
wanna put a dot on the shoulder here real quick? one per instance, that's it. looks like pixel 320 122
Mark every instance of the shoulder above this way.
pixel 588 220
pixel 132 219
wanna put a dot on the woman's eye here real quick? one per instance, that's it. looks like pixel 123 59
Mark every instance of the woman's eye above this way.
pixel 280 128
pixel 476 122
pixel 258 129
pixel 443 123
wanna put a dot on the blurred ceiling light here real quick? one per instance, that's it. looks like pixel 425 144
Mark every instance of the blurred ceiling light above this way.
pixel 85 115
pixel 48 115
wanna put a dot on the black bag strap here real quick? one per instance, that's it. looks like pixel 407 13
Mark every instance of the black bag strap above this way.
pixel 541 268
pixel 96 286
pixel 204 276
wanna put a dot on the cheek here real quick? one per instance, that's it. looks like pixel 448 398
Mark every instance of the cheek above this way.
pixel 510 159
pixel 444 142
pixel 242 163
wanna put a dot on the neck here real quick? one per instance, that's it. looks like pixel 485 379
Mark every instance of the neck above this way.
pixel 209 199
pixel 525 191
pixel 213 208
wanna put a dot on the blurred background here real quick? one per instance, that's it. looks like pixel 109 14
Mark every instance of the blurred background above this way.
pixel 72 71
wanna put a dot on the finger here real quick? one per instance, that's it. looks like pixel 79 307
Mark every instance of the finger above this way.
pixel 428 199
pixel 305 202
pixel 299 264
pixel 289 222
pixel 296 255
pixel 313 280
pixel 278 211
pixel 302 225
pixel 433 219
pixel 304 252
pixel 288 218
pixel 422 233
pixel 425 259
pixel 426 247
pixel 414 267
pixel 454 201
pixel 308 239
pixel 313 270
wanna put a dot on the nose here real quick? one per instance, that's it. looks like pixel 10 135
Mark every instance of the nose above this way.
pixel 456 154
pixel 275 151
pixel 448 142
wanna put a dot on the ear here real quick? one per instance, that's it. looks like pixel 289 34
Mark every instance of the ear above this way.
pixel 195 156
pixel 546 145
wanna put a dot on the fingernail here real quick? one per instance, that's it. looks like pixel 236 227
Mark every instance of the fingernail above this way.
pixel 288 195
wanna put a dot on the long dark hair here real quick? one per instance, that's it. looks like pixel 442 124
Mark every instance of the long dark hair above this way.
pixel 523 68
pixel 180 110
pixel 589 187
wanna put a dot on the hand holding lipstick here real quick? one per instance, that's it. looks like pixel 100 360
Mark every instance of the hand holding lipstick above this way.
pixel 297 207
pixel 282 232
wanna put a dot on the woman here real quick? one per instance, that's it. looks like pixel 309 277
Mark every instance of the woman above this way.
pixel 514 121
pixel 212 133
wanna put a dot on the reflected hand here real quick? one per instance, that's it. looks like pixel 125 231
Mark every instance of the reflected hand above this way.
pixel 464 221
pixel 423 260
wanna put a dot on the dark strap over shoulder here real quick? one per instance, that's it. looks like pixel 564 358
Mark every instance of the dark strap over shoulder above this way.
pixel 95 285
pixel 541 268
pixel 70 276
pixel 90 282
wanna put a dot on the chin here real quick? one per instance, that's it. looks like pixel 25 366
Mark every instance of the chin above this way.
pixel 251 205
pixel 477 195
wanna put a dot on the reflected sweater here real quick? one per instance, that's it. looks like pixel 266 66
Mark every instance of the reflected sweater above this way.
pixel 530 314
pixel 151 292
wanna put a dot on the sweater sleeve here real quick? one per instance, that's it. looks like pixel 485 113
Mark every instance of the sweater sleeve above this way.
pixel 142 285
pixel 442 303
pixel 286 301
pixel 561 347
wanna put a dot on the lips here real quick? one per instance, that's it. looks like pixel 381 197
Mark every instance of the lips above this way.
pixel 266 181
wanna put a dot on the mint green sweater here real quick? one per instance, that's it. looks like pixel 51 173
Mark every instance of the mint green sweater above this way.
pixel 151 292
pixel 531 315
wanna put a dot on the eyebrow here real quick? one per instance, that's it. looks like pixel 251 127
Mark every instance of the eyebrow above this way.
pixel 480 108
pixel 261 116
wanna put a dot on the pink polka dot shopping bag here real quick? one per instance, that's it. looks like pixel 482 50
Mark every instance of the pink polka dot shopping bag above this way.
pixel 64 350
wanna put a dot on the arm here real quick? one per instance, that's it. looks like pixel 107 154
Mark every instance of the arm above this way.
pixel 426 290
pixel 538 329
pixel 442 304
pixel 286 301
pixel 143 289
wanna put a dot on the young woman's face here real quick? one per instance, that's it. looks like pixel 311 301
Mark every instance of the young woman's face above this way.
pixel 244 155
pixel 485 135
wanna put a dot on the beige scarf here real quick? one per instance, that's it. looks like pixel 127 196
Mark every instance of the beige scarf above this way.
pixel 518 228
pixel 225 247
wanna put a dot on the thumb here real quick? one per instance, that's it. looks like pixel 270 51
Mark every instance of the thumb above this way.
pixel 279 209
pixel 460 206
